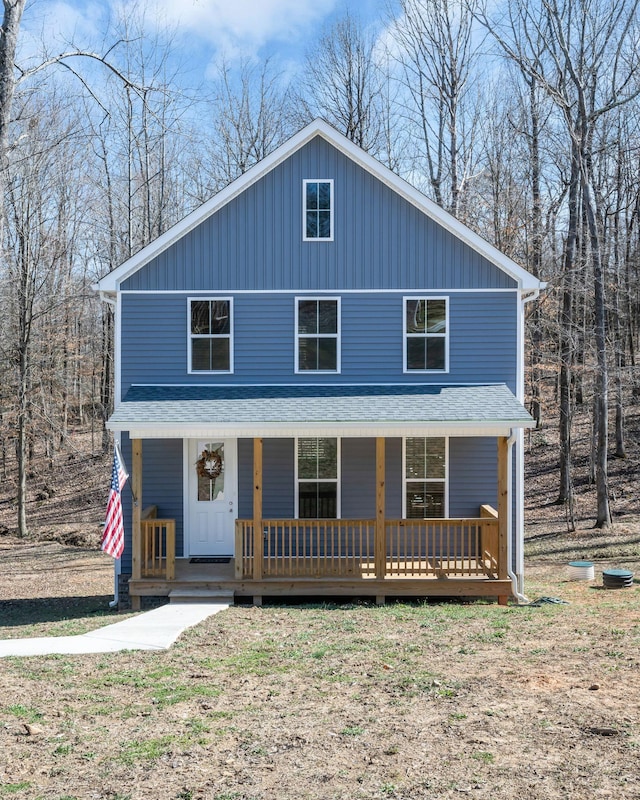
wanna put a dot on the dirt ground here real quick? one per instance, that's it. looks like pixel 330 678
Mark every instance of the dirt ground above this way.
pixel 321 701
pixel 324 701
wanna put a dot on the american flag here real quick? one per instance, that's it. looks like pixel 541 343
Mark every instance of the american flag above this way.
pixel 113 536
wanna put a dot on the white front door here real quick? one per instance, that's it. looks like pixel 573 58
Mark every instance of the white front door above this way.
pixel 213 496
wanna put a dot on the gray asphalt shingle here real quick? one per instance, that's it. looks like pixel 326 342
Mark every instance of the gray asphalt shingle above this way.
pixel 319 404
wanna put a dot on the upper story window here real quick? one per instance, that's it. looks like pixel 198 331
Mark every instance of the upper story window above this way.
pixel 426 334
pixel 210 334
pixel 317 223
pixel 318 334
pixel 317 478
pixel 425 477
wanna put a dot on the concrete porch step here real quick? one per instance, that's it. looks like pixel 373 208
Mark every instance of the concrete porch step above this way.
pixel 196 595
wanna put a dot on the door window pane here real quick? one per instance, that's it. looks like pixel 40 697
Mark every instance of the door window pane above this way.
pixel 210 471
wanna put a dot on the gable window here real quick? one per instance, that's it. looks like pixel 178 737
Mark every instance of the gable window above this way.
pixel 318 334
pixel 317 210
pixel 317 478
pixel 426 329
pixel 210 330
pixel 425 477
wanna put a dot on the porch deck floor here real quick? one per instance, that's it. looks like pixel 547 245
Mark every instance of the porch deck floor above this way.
pixel 216 577
pixel 426 570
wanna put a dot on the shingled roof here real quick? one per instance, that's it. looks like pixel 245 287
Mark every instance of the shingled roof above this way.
pixel 400 410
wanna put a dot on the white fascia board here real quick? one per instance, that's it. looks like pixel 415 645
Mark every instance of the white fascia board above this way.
pixel 525 280
pixel 156 430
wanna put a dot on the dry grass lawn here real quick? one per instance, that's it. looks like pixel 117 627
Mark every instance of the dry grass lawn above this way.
pixel 330 702
pixel 324 701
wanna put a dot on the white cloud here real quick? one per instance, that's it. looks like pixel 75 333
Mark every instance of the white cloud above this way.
pixel 236 27
pixel 244 24
pixel 206 30
pixel 53 23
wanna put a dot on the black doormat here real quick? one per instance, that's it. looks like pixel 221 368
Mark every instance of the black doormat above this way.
pixel 210 560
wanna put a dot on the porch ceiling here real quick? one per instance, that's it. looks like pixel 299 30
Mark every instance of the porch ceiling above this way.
pixel 285 411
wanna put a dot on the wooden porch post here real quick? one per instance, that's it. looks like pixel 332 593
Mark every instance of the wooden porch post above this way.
pixel 258 544
pixel 136 537
pixel 380 539
pixel 503 512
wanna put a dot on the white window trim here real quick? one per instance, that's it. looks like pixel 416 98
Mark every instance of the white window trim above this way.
pixel 306 238
pixel 406 336
pixel 191 336
pixel 337 336
pixel 338 478
pixel 426 480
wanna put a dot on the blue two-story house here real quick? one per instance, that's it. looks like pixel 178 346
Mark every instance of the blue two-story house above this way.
pixel 319 390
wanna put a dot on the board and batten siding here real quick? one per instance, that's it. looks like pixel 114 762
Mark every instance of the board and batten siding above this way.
pixel 381 241
pixel 483 346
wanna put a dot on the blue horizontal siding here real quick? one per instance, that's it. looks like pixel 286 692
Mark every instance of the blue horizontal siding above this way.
pixel 381 241
pixel 154 340
pixel 473 475
pixel 358 478
pixel 472 480
pixel 161 486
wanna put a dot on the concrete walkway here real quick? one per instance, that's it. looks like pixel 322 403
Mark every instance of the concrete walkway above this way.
pixel 153 630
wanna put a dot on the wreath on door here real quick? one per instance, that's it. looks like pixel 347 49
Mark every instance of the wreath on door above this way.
pixel 209 465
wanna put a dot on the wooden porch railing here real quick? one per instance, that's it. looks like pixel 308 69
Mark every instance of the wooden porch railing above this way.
pixel 158 546
pixel 306 548
pixel 430 548
pixel 437 548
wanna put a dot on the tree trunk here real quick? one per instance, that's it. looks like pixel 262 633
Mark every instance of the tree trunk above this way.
pixel 602 374
pixel 536 252
pixel 566 340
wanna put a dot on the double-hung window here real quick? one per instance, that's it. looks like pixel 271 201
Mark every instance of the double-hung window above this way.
pixel 425 477
pixel 317 335
pixel 317 478
pixel 317 214
pixel 426 334
pixel 210 334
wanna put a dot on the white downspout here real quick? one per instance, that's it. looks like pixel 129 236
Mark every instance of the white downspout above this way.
pixel 110 300
pixel 516 580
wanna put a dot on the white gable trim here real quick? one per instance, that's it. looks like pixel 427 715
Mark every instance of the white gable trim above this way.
pixel 525 280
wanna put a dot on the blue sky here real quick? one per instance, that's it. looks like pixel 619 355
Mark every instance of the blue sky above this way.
pixel 204 29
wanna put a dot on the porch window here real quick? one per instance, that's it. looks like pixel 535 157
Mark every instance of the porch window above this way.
pixel 317 214
pixel 317 478
pixel 426 329
pixel 317 335
pixel 210 331
pixel 425 468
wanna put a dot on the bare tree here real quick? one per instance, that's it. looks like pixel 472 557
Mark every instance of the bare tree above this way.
pixel 589 67
pixel 250 113
pixel 343 83
pixel 26 244
pixel 437 51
